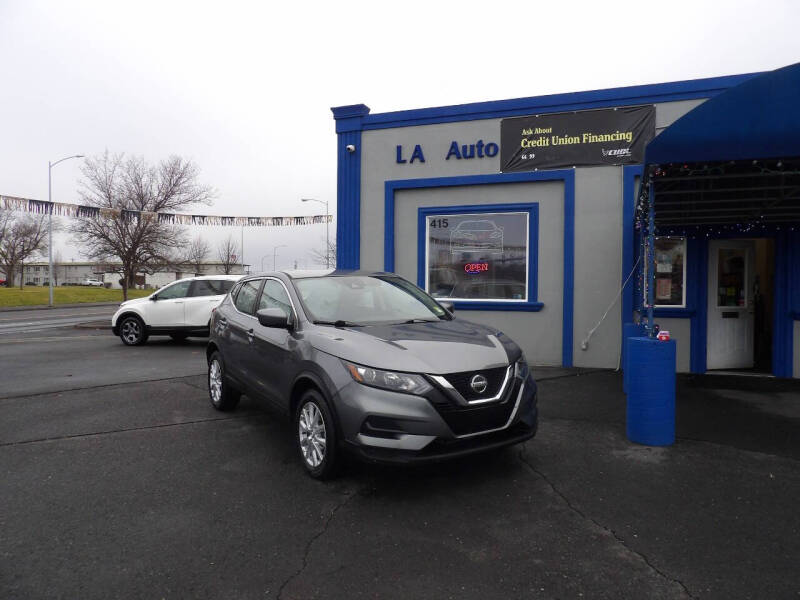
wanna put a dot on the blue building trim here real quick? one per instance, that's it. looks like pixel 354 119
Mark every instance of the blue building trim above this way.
pixel 354 118
pixel 569 270
pixel 787 254
pixel 605 98
pixel 697 274
pixel 532 208
pixel 565 175
pixel 783 323
pixel 348 185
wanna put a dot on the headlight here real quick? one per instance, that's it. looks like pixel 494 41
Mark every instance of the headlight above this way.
pixel 406 383
pixel 522 368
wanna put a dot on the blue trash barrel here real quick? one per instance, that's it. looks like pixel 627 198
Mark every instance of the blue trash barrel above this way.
pixel 629 330
pixel 651 391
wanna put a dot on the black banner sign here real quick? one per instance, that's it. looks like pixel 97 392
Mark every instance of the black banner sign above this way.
pixel 591 137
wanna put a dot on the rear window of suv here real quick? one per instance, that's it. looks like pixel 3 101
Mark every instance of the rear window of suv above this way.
pixel 211 287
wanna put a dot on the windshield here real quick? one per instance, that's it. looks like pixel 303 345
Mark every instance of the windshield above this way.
pixel 366 299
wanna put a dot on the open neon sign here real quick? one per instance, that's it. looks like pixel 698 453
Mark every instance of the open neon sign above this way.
pixel 473 268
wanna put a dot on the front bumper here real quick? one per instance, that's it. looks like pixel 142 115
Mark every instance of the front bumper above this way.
pixel 386 427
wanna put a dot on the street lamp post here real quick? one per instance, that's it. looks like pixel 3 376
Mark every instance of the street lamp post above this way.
pixel 275 254
pixel 50 166
pixel 327 230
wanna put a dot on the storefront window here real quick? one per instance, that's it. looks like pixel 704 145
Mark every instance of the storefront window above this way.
pixel 670 272
pixel 481 256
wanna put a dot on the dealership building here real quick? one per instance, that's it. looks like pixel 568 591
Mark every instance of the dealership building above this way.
pixel 526 214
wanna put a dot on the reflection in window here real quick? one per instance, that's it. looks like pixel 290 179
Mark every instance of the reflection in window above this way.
pixel 246 298
pixel 670 271
pixel 478 256
pixel 731 270
pixel 274 296
pixel 176 290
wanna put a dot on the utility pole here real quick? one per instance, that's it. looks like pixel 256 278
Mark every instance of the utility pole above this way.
pixel 50 166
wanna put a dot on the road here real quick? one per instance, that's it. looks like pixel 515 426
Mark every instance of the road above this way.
pixel 35 320
pixel 120 480
pixel 41 355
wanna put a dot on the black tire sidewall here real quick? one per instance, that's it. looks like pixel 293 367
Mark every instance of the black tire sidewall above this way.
pixel 229 397
pixel 142 335
pixel 330 463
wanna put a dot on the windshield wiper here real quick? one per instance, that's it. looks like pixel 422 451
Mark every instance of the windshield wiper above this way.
pixel 410 321
pixel 338 323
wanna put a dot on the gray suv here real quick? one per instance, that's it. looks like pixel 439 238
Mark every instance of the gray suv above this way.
pixel 371 364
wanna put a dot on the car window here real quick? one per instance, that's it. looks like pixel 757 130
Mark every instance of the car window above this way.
pixel 176 290
pixel 366 299
pixel 211 287
pixel 246 298
pixel 274 296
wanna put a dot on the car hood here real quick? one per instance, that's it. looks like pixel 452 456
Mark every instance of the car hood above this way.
pixel 136 301
pixel 436 348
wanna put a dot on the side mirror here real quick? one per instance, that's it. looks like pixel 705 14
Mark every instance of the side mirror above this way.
pixel 448 305
pixel 273 317
pixel 154 297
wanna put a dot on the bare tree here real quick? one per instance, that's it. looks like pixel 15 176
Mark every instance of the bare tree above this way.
pixel 227 253
pixel 21 238
pixel 196 254
pixel 58 260
pixel 125 190
pixel 326 256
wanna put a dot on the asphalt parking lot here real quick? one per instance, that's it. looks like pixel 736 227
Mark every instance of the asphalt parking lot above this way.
pixel 120 481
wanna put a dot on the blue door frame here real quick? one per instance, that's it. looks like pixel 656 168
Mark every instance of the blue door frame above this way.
pixel 786 297
pixel 786 307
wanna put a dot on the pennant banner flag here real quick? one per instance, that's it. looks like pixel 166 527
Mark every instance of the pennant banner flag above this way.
pixel 62 209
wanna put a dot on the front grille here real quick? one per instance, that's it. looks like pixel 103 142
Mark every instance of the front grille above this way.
pixel 463 420
pixel 461 382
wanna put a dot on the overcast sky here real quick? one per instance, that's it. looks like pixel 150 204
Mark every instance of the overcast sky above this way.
pixel 245 89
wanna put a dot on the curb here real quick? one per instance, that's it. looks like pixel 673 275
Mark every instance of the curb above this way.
pixel 46 307
pixel 94 325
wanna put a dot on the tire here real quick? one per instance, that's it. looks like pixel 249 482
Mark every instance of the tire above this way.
pixel 132 331
pixel 223 396
pixel 179 337
pixel 312 418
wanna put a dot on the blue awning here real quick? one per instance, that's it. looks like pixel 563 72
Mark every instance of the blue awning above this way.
pixel 757 119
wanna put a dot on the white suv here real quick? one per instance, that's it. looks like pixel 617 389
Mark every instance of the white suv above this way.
pixel 180 309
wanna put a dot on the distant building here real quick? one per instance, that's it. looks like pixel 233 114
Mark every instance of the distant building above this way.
pixel 74 272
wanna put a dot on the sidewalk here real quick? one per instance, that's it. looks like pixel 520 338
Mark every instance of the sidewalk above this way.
pixel 750 413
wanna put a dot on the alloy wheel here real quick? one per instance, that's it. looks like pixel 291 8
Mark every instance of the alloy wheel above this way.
pixel 215 381
pixel 131 331
pixel 311 429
